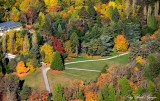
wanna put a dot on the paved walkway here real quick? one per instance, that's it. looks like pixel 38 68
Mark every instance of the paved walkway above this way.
pixel 44 70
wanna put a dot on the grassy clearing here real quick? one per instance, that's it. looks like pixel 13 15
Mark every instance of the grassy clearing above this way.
pixel 98 65
pixel 82 58
pixel 34 80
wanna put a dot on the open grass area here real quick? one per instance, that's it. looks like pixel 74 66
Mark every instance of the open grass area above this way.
pixel 82 58
pixel 34 80
pixel 98 65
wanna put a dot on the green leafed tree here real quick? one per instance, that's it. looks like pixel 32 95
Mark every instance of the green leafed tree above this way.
pixel 75 42
pixel 132 30
pixel 124 86
pixel 58 94
pixel 152 23
pixel 57 62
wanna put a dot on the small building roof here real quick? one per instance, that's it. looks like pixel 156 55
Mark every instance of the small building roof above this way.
pixel 10 24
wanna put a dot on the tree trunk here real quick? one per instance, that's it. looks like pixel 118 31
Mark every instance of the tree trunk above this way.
pixel 145 12
pixel 149 11
pixel 156 8
pixel 76 49
pixel 127 8
pixel 134 7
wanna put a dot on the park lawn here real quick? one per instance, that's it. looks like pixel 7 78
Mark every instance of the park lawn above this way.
pixel 82 58
pixel 68 76
pixel 98 65
pixel 34 80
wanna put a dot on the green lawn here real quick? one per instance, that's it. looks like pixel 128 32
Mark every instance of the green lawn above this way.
pixel 35 79
pixel 82 58
pixel 98 65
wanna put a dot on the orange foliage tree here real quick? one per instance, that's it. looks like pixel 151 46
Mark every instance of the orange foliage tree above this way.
pixel 37 95
pixel 90 92
pixel 120 43
pixel 21 68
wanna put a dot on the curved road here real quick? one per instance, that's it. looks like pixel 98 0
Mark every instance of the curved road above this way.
pixel 44 70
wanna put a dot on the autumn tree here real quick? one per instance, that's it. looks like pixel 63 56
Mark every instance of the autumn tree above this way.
pixel 31 15
pixel 19 42
pixel 14 14
pixel 34 39
pixel 57 44
pixel 47 53
pixel 120 43
pixel 12 40
pixel 68 47
pixel 58 93
pixel 26 44
pixel 21 68
pixel 57 62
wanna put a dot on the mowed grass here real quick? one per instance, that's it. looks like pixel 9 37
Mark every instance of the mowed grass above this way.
pixel 69 76
pixel 82 58
pixel 34 80
pixel 98 65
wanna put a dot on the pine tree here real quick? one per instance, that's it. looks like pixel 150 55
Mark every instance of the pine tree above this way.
pixel 58 94
pixel 57 62
pixel 112 94
pixel 107 44
pixel 100 96
pixel 150 87
pixel 124 86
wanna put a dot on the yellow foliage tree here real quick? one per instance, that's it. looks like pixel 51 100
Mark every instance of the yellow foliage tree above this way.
pixel 120 43
pixel 48 53
pixel 50 2
pixel 21 68
pixel 140 60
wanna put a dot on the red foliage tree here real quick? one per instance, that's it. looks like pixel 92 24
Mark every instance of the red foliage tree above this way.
pixel 57 44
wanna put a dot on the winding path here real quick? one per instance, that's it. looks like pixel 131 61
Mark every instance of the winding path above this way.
pixel 44 70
